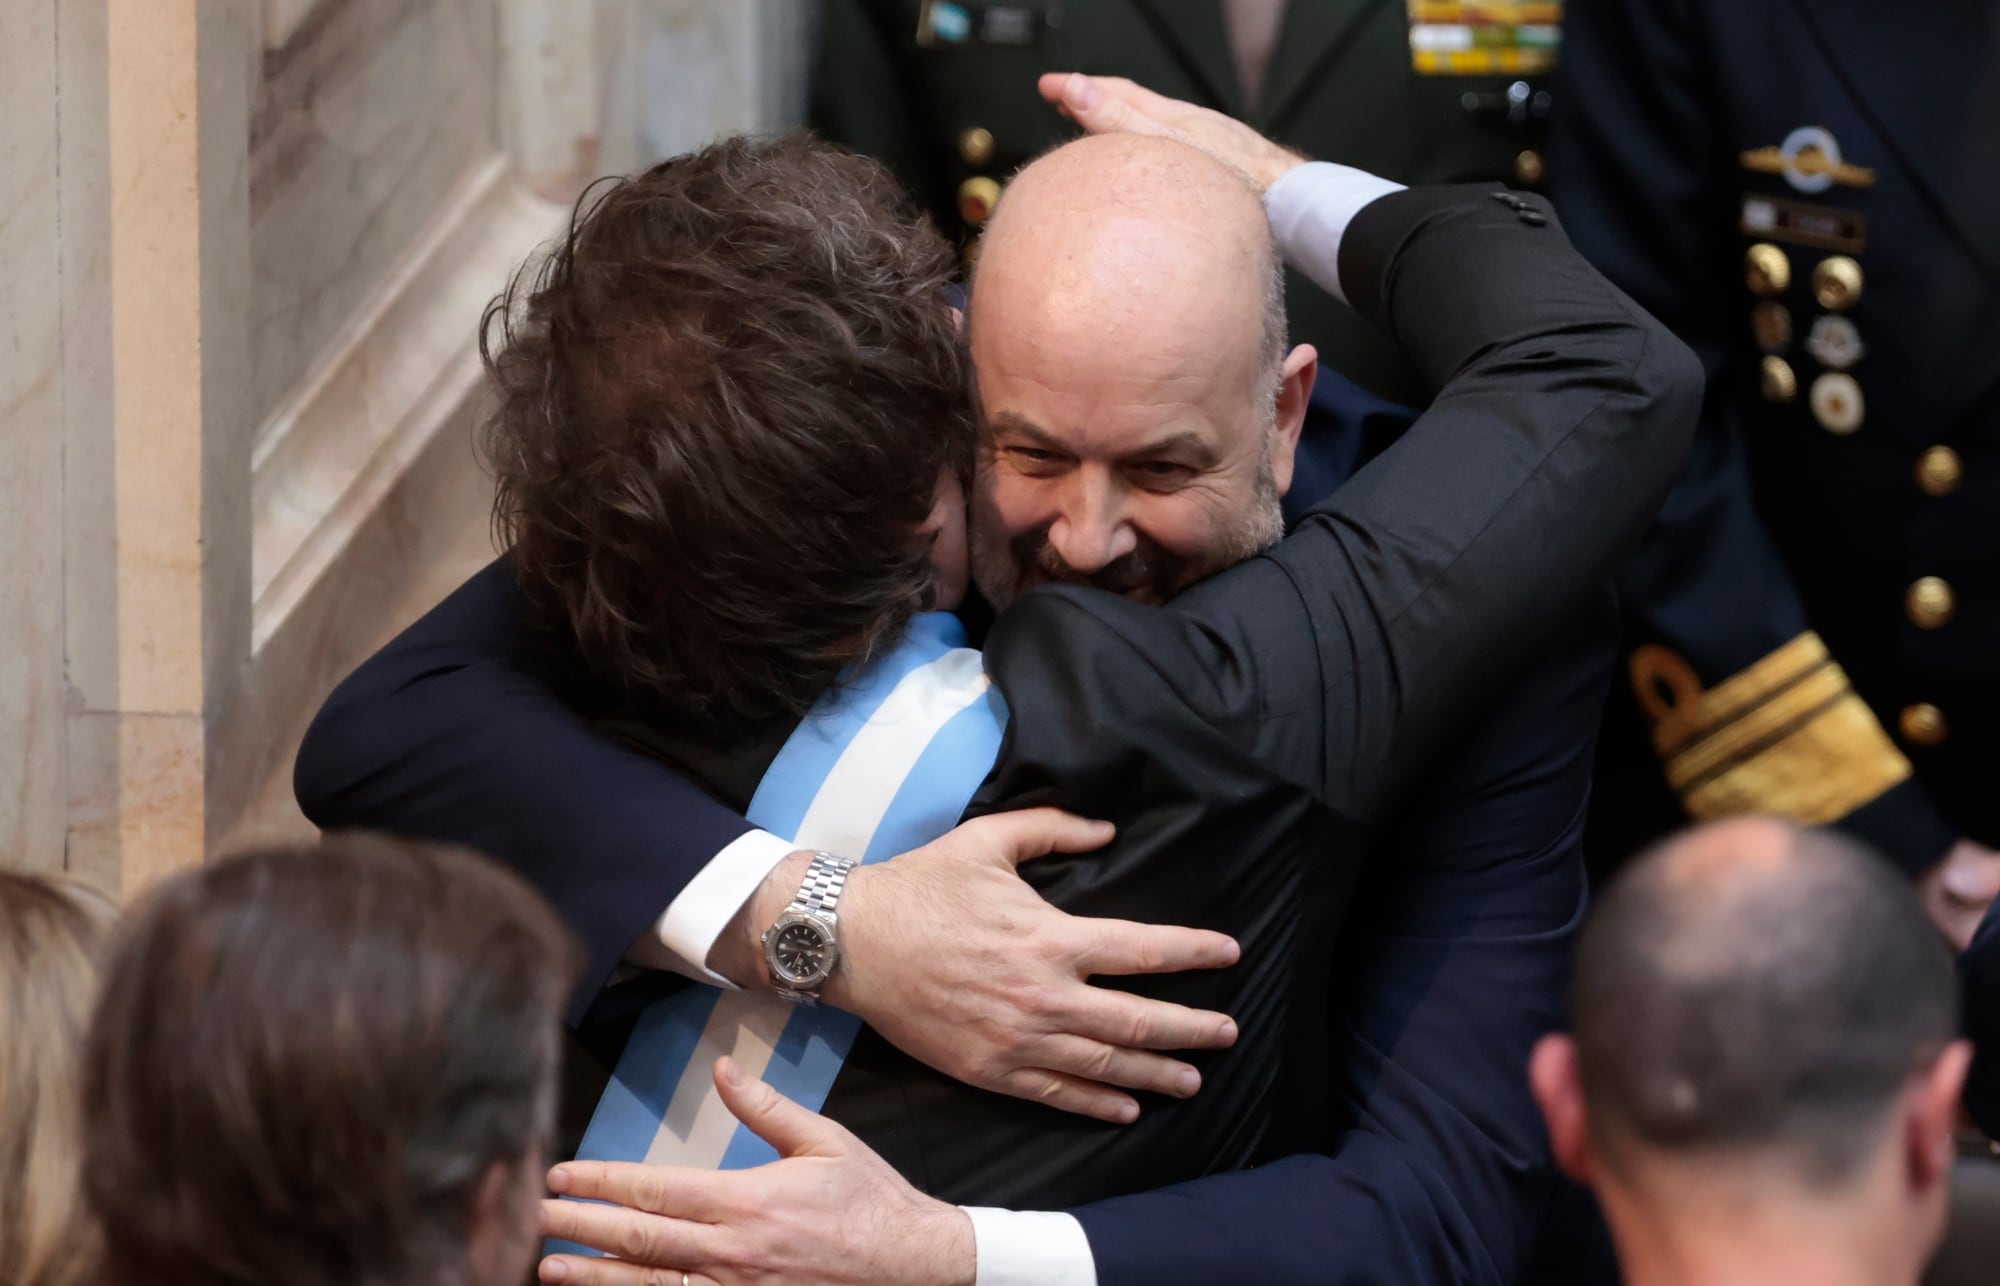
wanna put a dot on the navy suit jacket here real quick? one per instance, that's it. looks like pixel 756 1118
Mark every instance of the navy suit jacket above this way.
pixel 473 728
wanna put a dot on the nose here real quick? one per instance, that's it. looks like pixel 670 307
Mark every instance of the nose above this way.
pixel 1091 530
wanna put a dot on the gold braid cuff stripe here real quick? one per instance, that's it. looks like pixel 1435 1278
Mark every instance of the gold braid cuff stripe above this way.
pixel 1788 735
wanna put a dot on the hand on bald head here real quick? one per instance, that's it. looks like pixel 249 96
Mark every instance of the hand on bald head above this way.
pixel 1133 244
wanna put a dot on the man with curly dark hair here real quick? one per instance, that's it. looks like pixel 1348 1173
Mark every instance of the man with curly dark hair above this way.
pixel 1138 428
pixel 677 486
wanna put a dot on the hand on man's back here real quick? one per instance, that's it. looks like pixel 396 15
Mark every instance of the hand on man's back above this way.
pixel 953 958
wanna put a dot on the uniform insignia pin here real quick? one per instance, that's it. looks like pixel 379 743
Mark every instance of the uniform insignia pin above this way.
pixel 1809 160
pixel 1835 343
pixel 1836 403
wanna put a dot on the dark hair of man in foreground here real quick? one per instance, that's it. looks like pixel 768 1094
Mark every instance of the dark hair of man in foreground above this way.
pixel 749 348
pixel 327 1065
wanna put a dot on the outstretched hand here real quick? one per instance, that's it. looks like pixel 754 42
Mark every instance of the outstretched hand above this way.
pixel 1114 105
pixel 828 1212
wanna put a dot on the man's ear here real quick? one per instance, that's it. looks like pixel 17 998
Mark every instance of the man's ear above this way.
pixel 1558 1089
pixel 1930 1113
pixel 1295 386
pixel 501 1235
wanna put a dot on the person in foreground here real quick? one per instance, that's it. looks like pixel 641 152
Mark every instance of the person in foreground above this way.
pixel 326 1066
pixel 52 934
pixel 1764 1073
pixel 1050 478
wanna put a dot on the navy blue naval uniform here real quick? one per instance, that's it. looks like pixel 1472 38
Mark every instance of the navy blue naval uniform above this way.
pixel 1456 962
pixel 1808 193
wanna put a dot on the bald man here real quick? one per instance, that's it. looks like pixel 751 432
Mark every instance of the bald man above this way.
pixel 1764 1073
pixel 1246 733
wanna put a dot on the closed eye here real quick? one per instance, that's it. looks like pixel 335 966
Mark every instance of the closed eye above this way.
pixel 1160 473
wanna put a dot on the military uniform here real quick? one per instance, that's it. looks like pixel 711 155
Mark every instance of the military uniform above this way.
pixel 1419 92
pixel 1808 192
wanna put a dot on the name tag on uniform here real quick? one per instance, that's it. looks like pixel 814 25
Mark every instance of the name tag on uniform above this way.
pixel 1484 37
pixel 1804 224
pixel 962 24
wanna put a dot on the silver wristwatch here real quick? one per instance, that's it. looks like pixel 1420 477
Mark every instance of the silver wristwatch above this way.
pixel 804 945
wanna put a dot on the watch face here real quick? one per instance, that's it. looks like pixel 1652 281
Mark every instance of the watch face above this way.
pixel 799 952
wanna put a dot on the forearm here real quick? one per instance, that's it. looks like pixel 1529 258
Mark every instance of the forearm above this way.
pixel 451 733
pixel 1563 415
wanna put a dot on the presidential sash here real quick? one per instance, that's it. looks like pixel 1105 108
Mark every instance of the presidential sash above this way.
pixel 885 763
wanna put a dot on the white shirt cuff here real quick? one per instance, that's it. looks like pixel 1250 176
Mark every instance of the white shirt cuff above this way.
pixel 686 932
pixel 1310 207
pixel 1030 1248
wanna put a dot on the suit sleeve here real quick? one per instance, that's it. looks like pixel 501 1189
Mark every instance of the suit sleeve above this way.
pixel 1722 645
pixel 1442 1170
pixel 462 730
pixel 1347 655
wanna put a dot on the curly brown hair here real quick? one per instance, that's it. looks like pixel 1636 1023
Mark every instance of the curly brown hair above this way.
pixel 725 402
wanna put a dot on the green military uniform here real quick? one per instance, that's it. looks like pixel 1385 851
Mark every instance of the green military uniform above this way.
pixel 1419 92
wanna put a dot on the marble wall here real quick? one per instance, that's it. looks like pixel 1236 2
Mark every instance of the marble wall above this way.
pixel 246 243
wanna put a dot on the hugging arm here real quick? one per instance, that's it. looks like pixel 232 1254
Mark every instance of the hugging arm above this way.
pixel 470 729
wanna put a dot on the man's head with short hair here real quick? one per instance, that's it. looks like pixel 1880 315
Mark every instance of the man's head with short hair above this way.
pixel 1758 1008
pixel 733 420
pixel 327 1066
pixel 1139 410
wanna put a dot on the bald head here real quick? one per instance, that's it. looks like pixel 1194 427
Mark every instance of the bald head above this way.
pixel 1138 410
pixel 1135 243
pixel 1754 985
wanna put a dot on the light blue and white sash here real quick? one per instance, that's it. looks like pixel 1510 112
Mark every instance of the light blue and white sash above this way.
pixel 884 764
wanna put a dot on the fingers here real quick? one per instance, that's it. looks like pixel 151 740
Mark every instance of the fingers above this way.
pixel 1070 1094
pixel 1102 104
pixel 1132 1069
pixel 1124 947
pixel 772 1117
pixel 649 1189
pixel 1134 1022
pixel 637 1238
pixel 578 1270
pixel 1029 833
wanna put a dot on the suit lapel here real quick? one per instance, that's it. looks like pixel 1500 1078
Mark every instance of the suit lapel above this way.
pixel 1310 37
pixel 1194 31
pixel 1913 72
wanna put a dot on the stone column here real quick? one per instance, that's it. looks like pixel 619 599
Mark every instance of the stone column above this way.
pixel 155 496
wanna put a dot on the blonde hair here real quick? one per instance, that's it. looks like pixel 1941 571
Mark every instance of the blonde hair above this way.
pixel 52 933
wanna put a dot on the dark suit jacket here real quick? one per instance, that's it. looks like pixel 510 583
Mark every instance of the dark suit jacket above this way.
pixel 1980 968
pixel 1276 709
pixel 1782 530
pixel 1340 87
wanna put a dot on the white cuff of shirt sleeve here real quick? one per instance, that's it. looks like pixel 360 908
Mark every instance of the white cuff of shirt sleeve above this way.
pixel 1030 1248
pixel 686 932
pixel 1310 207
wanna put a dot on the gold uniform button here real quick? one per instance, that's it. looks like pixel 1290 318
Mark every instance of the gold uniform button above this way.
pixel 1836 283
pixel 1923 725
pixel 1771 323
pixel 1930 603
pixel 1939 471
pixel 1529 168
pixel 1766 269
pixel 1777 381
pixel 977 198
pixel 975 147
